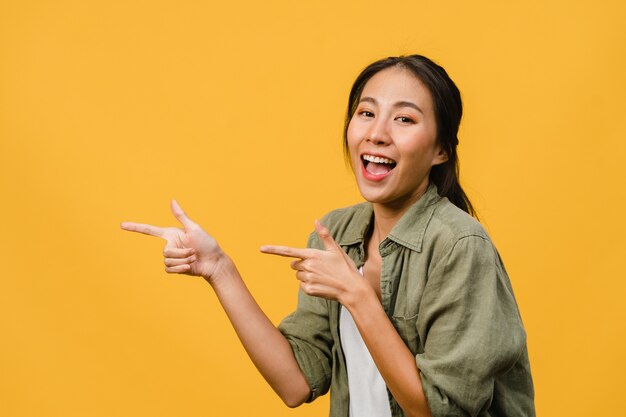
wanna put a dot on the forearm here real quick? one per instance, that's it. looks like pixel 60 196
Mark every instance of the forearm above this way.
pixel 393 358
pixel 267 347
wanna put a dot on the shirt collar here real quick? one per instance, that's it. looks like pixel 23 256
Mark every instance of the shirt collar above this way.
pixel 410 229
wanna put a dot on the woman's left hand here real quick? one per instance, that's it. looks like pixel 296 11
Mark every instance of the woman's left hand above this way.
pixel 326 273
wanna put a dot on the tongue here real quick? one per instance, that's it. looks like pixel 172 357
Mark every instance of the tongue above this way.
pixel 377 169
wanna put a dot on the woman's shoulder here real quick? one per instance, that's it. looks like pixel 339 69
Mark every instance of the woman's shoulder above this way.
pixel 449 220
pixel 449 225
pixel 459 239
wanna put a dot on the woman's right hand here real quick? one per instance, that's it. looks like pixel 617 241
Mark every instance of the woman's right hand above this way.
pixel 189 250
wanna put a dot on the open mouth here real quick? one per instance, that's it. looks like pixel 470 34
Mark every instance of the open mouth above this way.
pixel 377 165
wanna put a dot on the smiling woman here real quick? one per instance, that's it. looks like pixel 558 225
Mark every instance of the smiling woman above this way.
pixel 392 138
pixel 437 102
pixel 405 307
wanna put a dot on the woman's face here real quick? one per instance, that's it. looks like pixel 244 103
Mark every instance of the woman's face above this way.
pixel 392 139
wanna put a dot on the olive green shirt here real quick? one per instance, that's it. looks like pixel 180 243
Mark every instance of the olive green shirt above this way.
pixel 445 290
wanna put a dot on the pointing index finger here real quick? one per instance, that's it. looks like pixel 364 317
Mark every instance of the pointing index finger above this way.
pixel 287 251
pixel 146 229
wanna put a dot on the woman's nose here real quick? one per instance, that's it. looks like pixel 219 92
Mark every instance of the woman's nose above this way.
pixel 378 133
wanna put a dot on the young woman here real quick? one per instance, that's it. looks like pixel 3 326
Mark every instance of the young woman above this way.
pixel 405 307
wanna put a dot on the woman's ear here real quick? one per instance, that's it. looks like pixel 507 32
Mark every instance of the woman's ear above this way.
pixel 441 157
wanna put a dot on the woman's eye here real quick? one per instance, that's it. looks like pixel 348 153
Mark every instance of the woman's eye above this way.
pixel 404 119
pixel 366 113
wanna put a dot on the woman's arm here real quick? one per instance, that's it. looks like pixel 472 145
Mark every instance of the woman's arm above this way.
pixel 332 274
pixel 192 251
pixel 394 360
pixel 267 347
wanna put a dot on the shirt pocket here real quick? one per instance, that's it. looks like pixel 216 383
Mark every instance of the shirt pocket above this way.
pixel 407 329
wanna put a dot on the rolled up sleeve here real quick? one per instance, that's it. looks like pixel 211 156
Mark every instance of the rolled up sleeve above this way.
pixel 470 329
pixel 308 332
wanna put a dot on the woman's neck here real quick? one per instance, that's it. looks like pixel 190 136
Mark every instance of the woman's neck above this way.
pixel 387 215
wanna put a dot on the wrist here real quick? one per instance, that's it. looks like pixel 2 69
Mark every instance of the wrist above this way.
pixel 224 269
pixel 360 294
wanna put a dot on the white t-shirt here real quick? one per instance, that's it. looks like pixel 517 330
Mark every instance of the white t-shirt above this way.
pixel 368 392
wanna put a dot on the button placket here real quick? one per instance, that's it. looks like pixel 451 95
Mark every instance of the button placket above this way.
pixel 385 248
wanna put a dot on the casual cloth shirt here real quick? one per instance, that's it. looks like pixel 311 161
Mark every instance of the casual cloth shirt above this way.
pixel 446 292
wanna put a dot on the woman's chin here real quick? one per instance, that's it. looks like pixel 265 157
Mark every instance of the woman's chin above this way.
pixel 383 197
pixel 375 196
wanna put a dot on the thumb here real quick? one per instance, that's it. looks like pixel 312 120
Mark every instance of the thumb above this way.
pixel 180 215
pixel 324 234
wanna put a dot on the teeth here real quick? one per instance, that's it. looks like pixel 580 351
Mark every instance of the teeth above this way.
pixel 378 160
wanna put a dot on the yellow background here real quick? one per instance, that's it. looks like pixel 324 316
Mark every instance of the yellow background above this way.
pixel 108 109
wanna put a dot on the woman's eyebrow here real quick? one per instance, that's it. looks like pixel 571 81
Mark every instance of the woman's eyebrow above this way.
pixel 397 104
pixel 408 104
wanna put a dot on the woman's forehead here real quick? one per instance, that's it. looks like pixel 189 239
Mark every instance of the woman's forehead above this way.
pixel 396 84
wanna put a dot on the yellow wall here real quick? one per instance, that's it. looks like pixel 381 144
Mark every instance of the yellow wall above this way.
pixel 108 109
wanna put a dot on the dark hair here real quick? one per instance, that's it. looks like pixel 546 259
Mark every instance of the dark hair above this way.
pixel 448 111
